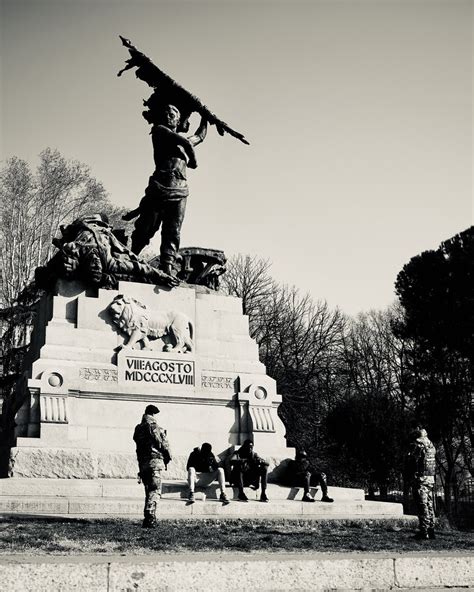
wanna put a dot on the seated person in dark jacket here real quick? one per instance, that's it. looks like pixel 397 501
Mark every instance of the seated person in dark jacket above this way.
pixel 202 461
pixel 249 470
pixel 300 475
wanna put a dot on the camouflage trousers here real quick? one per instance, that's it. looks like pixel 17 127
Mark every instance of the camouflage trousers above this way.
pixel 423 493
pixel 151 479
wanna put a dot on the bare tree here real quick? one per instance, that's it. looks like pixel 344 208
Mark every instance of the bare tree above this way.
pixel 248 278
pixel 367 421
pixel 298 340
pixel 374 356
pixel 33 206
pixel 17 193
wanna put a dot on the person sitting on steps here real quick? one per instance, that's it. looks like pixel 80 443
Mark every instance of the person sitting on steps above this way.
pixel 249 470
pixel 203 462
pixel 302 476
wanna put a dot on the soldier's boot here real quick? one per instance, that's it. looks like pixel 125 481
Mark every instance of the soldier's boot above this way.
pixel 421 535
pixel 168 268
pixel 431 533
pixel 150 519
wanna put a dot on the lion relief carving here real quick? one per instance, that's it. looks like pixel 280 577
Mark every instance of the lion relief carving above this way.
pixel 142 324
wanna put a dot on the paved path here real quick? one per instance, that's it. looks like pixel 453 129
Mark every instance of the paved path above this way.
pixel 239 572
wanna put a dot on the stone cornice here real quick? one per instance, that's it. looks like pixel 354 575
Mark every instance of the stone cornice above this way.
pixel 156 397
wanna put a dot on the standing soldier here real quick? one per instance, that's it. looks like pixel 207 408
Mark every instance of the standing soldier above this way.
pixel 422 468
pixel 153 455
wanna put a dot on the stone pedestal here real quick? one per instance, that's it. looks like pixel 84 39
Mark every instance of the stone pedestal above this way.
pixel 85 393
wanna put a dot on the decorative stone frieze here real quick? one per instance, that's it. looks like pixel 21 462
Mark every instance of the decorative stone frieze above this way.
pixel 98 374
pixel 209 381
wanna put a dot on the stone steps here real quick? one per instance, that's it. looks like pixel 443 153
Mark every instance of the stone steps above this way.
pixel 124 497
pixel 177 507
pixel 129 488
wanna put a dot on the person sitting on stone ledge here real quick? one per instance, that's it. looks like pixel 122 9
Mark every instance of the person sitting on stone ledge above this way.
pixel 249 470
pixel 300 475
pixel 153 455
pixel 203 462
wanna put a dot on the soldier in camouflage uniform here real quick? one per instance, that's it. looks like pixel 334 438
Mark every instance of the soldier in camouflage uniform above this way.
pixel 153 454
pixel 422 468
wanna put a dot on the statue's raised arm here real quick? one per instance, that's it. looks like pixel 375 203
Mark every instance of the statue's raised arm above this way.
pixel 168 91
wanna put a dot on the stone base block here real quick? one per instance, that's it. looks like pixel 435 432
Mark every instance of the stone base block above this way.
pixel 62 463
pixel 76 463
pixel 83 463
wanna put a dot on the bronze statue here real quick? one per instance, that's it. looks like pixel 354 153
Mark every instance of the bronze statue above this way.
pixel 168 111
pixel 200 266
pixel 89 251
pixel 164 202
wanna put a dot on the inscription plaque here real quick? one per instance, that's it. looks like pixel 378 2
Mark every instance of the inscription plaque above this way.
pixel 159 371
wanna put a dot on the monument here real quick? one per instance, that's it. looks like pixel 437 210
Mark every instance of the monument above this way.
pixel 115 333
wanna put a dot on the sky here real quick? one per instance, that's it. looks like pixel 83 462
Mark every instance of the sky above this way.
pixel 358 112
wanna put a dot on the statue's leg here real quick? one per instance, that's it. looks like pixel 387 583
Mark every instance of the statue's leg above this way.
pixel 146 226
pixel 172 220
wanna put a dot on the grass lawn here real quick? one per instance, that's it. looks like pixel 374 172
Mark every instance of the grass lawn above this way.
pixel 22 534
